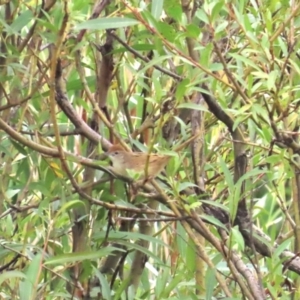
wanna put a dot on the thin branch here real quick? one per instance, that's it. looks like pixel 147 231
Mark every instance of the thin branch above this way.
pixel 144 58
pixel 98 8
pixel 175 219
pixel 70 112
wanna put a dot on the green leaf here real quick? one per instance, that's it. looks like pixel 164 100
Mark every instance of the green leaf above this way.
pixel 216 204
pixel 128 235
pixel 206 53
pixel 213 221
pixel 180 239
pixel 221 27
pixel 156 60
pixel 48 25
pixel 125 283
pixel 210 282
pixel 295 65
pixel 171 286
pixel 227 174
pixel 282 45
pixel 240 119
pixel 138 47
pixel 193 31
pixel 76 84
pixel 157 86
pixel 202 16
pixel 21 21
pixel 283 246
pixel 80 256
pixel 144 250
pixel 106 23
pixel 271 83
pixel 161 283
pixel 195 106
pixel 27 291
pixel 12 192
pixel 190 256
pixel 252 173
pixel 11 275
pixel 181 89
pixel 219 5
pixel 39 186
pixel 246 61
pixel 156 8
pixel 234 200
pixel 173 9
pixel 105 289
pixel 241 6
pixel 20 148
pixel 70 205
pixel 166 31
pixel 238 238
pixel 183 185
pixel 247 24
pixel 216 67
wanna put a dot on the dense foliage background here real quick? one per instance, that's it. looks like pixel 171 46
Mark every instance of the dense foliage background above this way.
pixel 214 84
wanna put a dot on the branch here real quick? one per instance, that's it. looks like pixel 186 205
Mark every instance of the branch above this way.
pixel 70 112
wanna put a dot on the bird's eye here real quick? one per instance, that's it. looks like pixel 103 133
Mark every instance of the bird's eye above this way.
pixel 116 153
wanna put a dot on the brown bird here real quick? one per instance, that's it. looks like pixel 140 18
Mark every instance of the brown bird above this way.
pixel 136 162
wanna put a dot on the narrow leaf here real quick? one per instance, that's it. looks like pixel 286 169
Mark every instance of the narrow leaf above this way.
pixel 79 256
pixel 192 106
pixel 10 275
pixel 156 8
pixel 106 23
pixel 272 79
pixel 22 20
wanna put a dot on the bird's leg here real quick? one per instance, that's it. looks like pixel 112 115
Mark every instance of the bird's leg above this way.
pixel 147 179
pixel 133 189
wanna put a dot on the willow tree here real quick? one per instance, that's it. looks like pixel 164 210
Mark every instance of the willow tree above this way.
pixel 213 84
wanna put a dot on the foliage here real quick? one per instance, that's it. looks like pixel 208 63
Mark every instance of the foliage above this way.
pixel 214 84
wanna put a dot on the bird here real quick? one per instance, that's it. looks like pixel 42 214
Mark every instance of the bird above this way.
pixel 135 162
